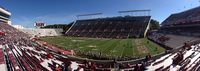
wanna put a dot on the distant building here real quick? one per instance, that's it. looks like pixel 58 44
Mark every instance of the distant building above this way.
pixel 5 15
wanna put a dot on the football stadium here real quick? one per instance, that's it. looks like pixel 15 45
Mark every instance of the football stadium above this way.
pixel 131 41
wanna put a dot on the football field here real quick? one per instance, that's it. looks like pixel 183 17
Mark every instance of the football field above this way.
pixel 112 47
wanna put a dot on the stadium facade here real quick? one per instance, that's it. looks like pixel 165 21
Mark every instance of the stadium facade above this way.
pixel 5 15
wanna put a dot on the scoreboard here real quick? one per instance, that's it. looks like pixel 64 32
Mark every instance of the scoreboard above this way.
pixel 39 24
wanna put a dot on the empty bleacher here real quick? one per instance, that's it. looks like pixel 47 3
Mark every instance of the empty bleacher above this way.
pixel 116 27
pixel 177 41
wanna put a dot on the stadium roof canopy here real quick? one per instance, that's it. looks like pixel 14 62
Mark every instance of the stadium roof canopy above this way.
pixel 89 14
pixel 145 12
pixel 148 10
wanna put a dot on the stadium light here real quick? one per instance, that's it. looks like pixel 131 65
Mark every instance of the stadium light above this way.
pixel 91 14
pixel 135 11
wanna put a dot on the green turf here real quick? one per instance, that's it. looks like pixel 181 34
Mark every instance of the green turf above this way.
pixel 112 47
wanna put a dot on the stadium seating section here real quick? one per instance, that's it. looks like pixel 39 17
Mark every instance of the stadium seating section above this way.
pixel 19 53
pixel 42 32
pixel 172 41
pixel 184 18
pixel 179 28
pixel 184 23
pixel 117 27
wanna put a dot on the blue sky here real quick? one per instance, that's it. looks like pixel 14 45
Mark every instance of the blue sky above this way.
pixel 26 12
